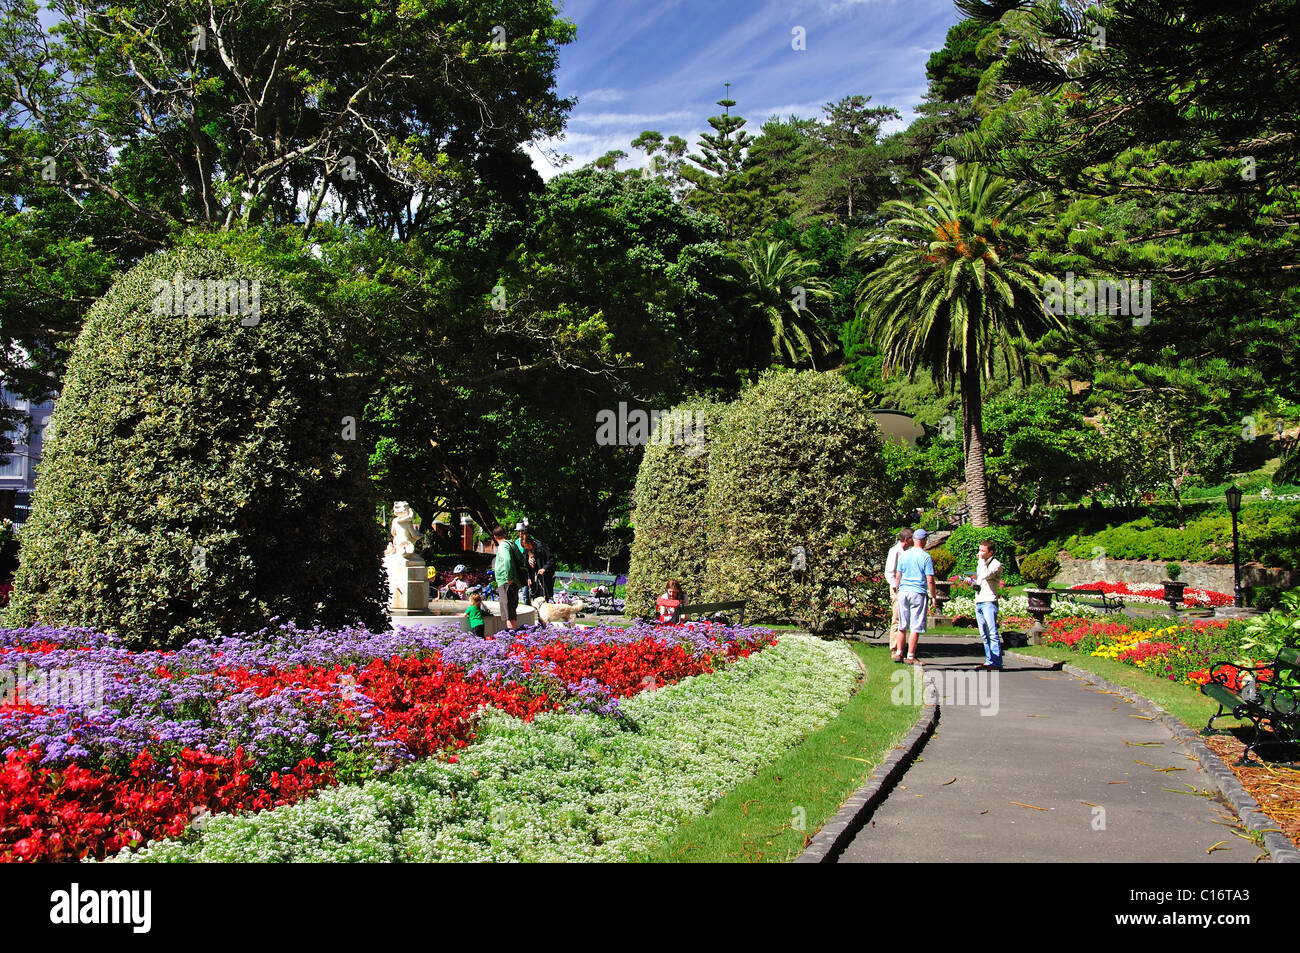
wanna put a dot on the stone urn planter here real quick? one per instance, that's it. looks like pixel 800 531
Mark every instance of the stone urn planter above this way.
pixel 942 595
pixel 1174 592
pixel 1040 604
pixel 1174 587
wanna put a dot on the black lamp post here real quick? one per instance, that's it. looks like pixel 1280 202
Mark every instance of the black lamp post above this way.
pixel 1233 494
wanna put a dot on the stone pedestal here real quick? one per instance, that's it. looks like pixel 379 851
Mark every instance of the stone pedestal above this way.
pixel 408 585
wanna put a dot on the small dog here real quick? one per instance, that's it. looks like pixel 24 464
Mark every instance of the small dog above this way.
pixel 550 612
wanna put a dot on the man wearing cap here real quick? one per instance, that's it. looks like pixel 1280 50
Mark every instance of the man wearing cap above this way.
pixel 891 572
pixel 915 581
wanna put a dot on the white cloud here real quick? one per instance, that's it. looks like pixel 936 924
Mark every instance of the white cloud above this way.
pixel 640 120
pixel 606 95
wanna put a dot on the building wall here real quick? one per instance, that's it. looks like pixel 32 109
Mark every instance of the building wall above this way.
pixel 19 469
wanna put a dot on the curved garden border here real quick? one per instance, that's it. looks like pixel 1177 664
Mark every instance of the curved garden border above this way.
pixel 839 831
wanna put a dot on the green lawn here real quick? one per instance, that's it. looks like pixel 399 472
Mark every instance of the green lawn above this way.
pixel 759 820
pixel 1184 702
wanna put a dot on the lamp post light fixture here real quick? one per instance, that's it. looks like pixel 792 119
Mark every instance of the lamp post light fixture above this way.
pixel 1233 495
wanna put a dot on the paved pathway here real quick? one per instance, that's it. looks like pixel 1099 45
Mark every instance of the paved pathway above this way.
pixel 1051 741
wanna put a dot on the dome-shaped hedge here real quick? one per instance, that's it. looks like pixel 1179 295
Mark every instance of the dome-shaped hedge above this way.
pixel 797 500
pixel 668 514
pixel 198 481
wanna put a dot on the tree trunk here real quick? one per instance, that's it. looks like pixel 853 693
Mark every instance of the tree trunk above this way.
pixel 465 496
pixel 972 412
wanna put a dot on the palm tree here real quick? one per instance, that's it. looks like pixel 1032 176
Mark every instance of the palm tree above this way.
pixel 779 282
pixel 955 292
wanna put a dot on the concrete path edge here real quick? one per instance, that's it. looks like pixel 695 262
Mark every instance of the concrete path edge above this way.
pixel 839 831
pixel 1252 815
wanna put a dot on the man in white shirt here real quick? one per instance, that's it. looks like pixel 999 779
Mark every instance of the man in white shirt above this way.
pixel 988 580
pixel 891 577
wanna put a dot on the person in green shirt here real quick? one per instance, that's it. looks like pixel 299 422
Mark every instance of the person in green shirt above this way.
pixel 474 612
pixel 508 573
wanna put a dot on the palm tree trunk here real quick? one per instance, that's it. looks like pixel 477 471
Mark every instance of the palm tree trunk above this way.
pixel 972 412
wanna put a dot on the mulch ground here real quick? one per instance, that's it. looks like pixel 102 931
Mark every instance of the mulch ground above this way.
pixel 1274 784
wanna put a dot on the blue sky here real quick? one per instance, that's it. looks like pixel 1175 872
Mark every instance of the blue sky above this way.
pixel 661 64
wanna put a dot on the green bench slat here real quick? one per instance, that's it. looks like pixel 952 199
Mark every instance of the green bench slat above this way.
pixel 1223 695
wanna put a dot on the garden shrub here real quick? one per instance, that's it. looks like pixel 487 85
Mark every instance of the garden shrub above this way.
pixel 964 544
pixel 1269 533
pixel 944 562
pixel 197 481
pixel 797 461
pixel 1264 597
pixel 671 537
pixel 1039 568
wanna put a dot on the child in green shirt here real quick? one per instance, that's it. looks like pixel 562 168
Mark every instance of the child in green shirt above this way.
pixel 475 612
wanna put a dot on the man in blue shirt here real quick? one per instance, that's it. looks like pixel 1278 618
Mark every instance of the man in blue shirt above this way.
pixel 914 579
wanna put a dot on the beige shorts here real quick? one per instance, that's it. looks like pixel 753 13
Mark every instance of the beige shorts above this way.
pixel 893 612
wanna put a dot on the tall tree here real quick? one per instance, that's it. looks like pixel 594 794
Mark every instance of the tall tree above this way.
pixel 274 113
pixel 956 294
pixel 850 177
pixel 1169 134
pixel 778 283
pixel 716 172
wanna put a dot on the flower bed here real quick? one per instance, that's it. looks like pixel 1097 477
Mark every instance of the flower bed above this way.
pixel 1181 653
pixel 1155 593
pixel 150 741
pixel 562 787
pixel 1013 611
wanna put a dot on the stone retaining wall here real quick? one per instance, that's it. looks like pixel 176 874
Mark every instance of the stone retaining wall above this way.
pixel 1213 576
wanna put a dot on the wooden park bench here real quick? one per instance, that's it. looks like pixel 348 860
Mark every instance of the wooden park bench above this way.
pixel 702 610
pixel 1275 698
pixel 584 583
pixel 1096 598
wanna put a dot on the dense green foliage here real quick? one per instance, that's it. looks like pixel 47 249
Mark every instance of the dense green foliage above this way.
pixel 944 562
pixel 795 509
pixel 669 510
pixel 964 544
pixel 1039 568
pixel 199 479
pixel 1268 533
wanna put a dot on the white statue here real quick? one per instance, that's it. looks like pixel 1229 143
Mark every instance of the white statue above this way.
pixel 404 535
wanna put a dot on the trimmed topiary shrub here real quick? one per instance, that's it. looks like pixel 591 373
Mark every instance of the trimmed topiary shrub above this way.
pixel 944 562
pixel 797 501
pixel 198 481
pixel 964 544
pixel 1038 569
pixel 671 525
